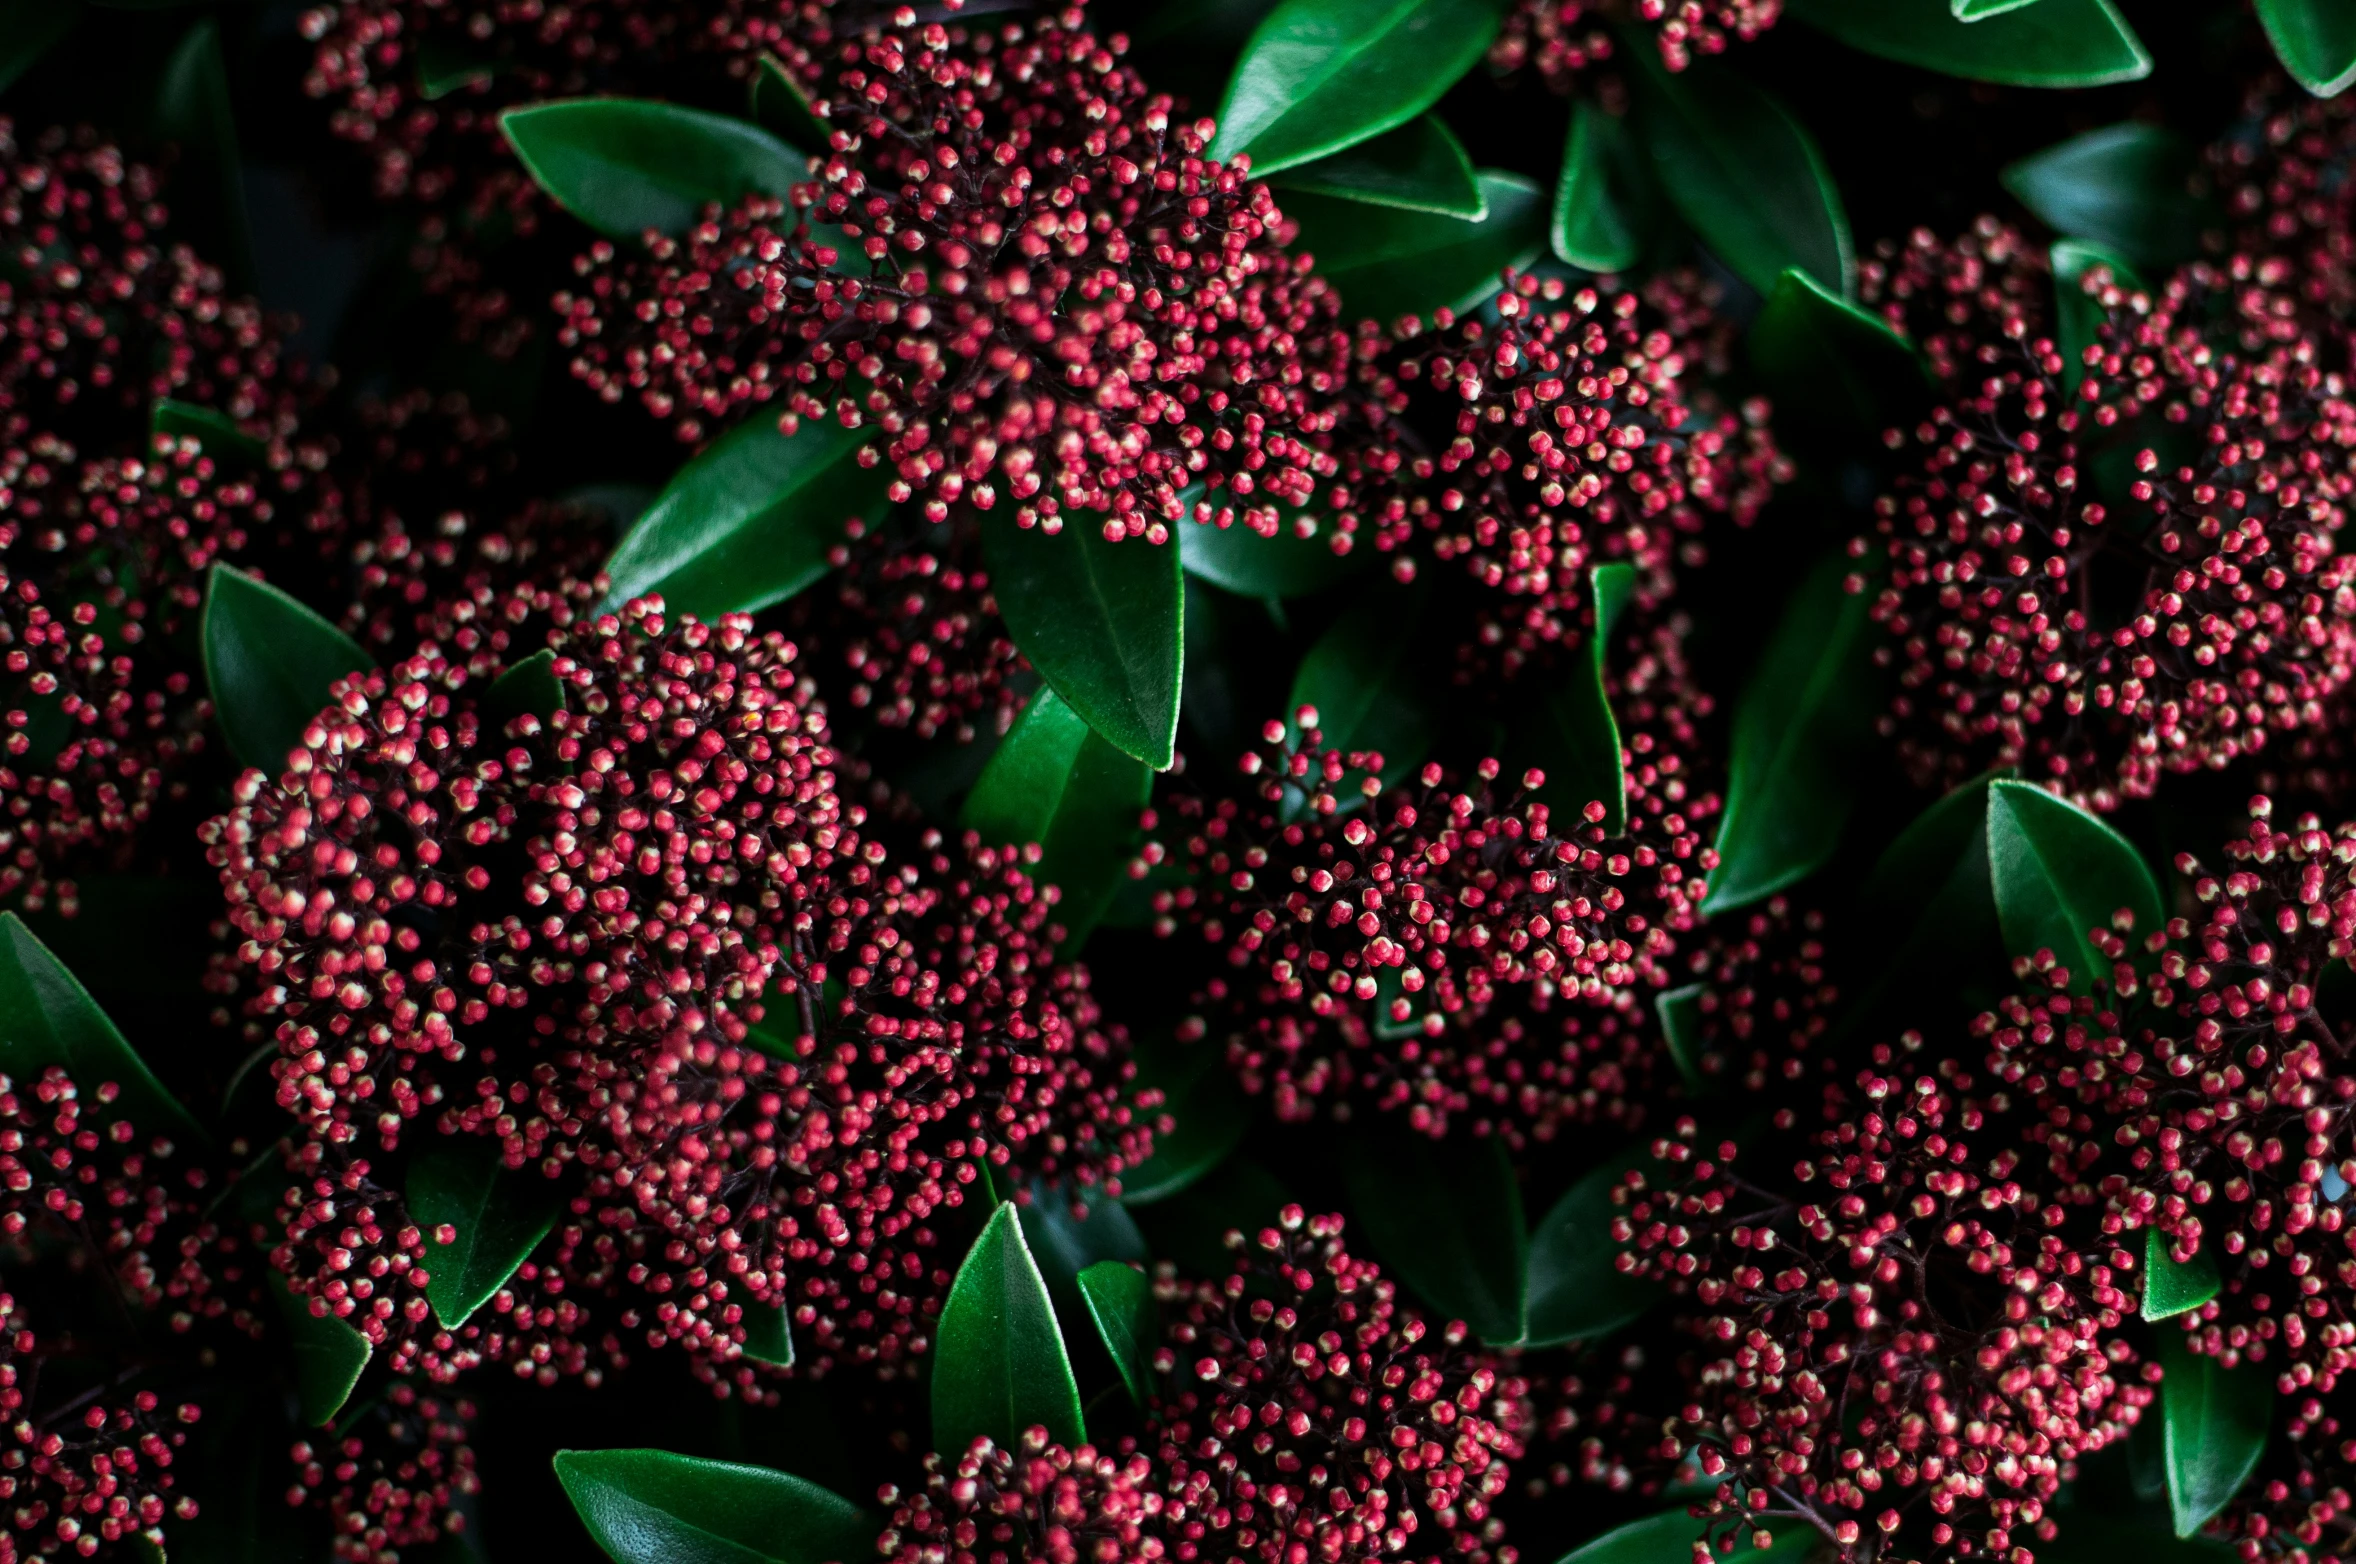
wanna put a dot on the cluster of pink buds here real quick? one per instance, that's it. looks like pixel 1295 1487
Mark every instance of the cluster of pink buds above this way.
pixel 392 1480
pixel 1561 39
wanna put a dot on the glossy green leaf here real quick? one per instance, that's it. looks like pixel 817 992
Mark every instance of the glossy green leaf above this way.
pixel 1120 1301
pixel 1295 562
pixel 768 1334
pixel 653 1507
pixel 194 110
pixel 1445 1217
pixel 28 30
pixel 329 1355
pixel 2053 43
pixel 1592 230
pixel 2127 186
pixel 1208 1114
pixel 2059 872
pixel 497 1215
pixel 753 519
pixel 999 1366
pixel 627 165
pixel 1057 782
pixel 2216 1421
pixel 1679 1011
pixel 1577 1291
pixel 1829 363
pixel 216 434
pixel 2171 1286
pixel 529 687
pixel 48 1018
pixel 1368 680
pixel 1745 176
pixel 1070 1230
pixel 1321 75
pixel 2078 315
pixel 1419 167
pixel 1104 623
pixel 1981 10
pixel 779 104
pixel 1574 734
pixel 1387 263
pixel 1800 734
pixel 1669 1539
pixel 269 662
pixel 2315 40
pixel 1927 912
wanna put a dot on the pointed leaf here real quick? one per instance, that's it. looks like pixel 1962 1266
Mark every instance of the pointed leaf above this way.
pixel 1321 75
pixel 2315 40
pixel 2053 43
pixel 999 1365
pixel 329 1355
pixel 1591 230
pixel 627 165
pixel 1387 263
pixel 2216 1424
pixel 1680 1014
pixel 2127 186
pixel 1445 1217
pixel 753 519
pixel 1298 560
pixel 2078 315
pixel 1577 1291
pixel 1800 733
pixel 768 1334
pixel 526 688
pixel 1104 623
pixel 1827 361
pixel 30 29
pixel 1927 912
pixel 1980 10
pixel 445 66
pixel 48 1018
pixel 1576 737
pixel 194 110
pixel 216 434
pixel 1120 1301
pixel 653 1507
pixel 1670 1538
pixel 1069 1230
pixel 2059 872
pixel 2171 1286
pixel 1209 1114
pixel 1057 782
pixel 1420 167
pixel 269 662
pixel 779 104
pixel 496 1215
pixel 1368 680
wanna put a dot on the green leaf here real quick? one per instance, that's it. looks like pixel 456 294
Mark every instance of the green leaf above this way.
pixel 1981 10
pixel 1576 1291
pixel 1104 623
pixel 445 66
pixel 1199 1094
pixel 1069 1230
pixel 752 520
pixel 498 1216
pixel 329 1355
pixel 1419 167
pixel 2059 872
pixel 48 1018
pixel 2078 316
pixel 626 165
pixel 193 109
pixel 1388 263
pixel 28 30
pixel 1321 75
pixel 1445 1217
pixel 779 103
pixel 526 688
pixel 1057 782
pixel 653 1507
pixel 269 662
pixel 1297 561
pixel 1577 737
pixel 2127 186
pixel 1927 912
pixel 216 434
pixel 768 1334
pixel 1669 1539
pixel 2172 1287
pixel 1120 1301
pixel 1369 682
pixel 1590 230
pixel 1680 1014
pixel 2216 1424
pixel 999 1366
pixel 2053 43
pixel 1800 733
pixel 2315 40
pixel 1745 176
pixel 1829 363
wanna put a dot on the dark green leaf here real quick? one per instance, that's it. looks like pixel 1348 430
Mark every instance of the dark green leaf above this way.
pixel 1591 230
pixel 1070 1230
pixel 2171 1286
pixel 1104 623
pixel 753 519
pixel 1669 1539
pixel 329 1355
pixel 1576 1290
pixel 48 1018
pixel 1743 174
pixel 2127 186
pixel 1927 913
pixel 653 1507
pixel 2315 40
pixel 1120 1301
pixel 1843 371
pixel 2059 872
pixel 1680 1013
pixel 2078 315
pixel 216 434
pixel 445 67
pixel 527 688
pixel 497 1216
pixel 2217 1420
pixel 28 30
pixel 768 1334
pixel 1056 782
pixel 1419 167
pixel 1190 1228
pixel 1576 737
pixel 1388 263
pixel 779 103
pixel 2053 43
pixel 1321 75
pixel 1368 681
pixel 193 110
pixel 999 1366
pixel 1445 1217
pixel 1980 10
pixel 1200 1095
pixel 1293 563
pixel 269 662
pixel 626 165
pixel 1800 733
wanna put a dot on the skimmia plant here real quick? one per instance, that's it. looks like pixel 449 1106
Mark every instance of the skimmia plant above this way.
pixel 1215 781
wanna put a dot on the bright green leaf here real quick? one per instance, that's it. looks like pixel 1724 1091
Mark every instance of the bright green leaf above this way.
pixel 1843 371
pixel 1576 737
pixel 998 1360
pixel 1800 732
pixel 1120 1301
pixel 497 1216
pixel 1199 1095
pixel 2058 872
pixel 752 520
pixel 1445 1216
pixel 653 1507
pixel 2078 315
pixel 779 103
pixel 1057 782
pixel 216 434
pixel 1104 623
pixel 28 30
pixel 2216 1424
pixel 329 1355
pixel 2127 186
pixel 1419 167
pixel 48 1018
pixel 1387 263
pixel 1577 1292
pixel 2171 1286
pixel 269 662
pixel 1321 75
pixel 627 165
pixel 1293 563
pixel 1591 229
pixel 2315 40
pixel 194 110
pixel 2053 43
